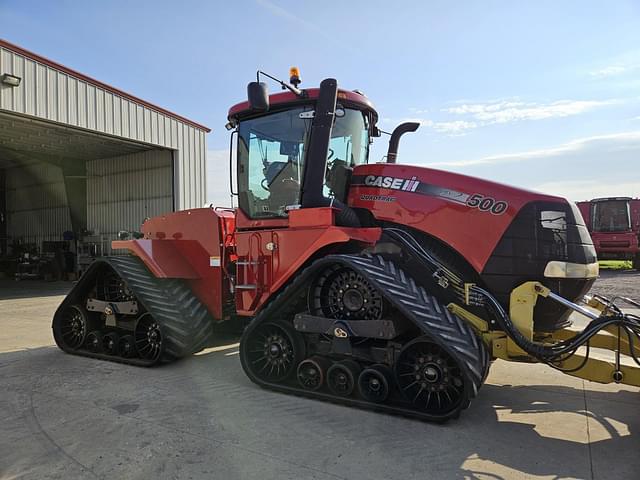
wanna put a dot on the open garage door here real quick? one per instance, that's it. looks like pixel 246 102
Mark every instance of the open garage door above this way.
pixel 62 185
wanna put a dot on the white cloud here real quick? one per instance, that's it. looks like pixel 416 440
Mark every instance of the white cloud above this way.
pixel 587 189
pixel 609 71
pixel 628 141
pixel 456 127
pixel 512 111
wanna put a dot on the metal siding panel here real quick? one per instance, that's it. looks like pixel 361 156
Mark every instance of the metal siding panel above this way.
pixel 82 105
pixel 147 125
pixel 182 174
pixel 108 112
pixel 30 87
pixel 124 109
pixel 91 107
pixel 162 121
pixel 36 203
pixel 52 95
pixel 168 140
pixel 61 94
pixel 195 173
pixel 139 112
pixel 6 63
pixel 18 93
pixel 203 167
pixel 41 91
pixel 72 100
pixel 117 115
pixel 153 126
pixel 100 114
pixel 133 123
pixel 123 191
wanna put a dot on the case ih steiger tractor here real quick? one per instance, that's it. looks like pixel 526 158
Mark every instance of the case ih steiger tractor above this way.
pixel 376 285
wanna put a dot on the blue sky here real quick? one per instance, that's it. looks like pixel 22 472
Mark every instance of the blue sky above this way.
pixel 543 95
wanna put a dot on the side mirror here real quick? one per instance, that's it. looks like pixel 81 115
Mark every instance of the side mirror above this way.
pixel 258 96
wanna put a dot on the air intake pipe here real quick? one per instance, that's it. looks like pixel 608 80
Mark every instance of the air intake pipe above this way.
pixel 400 130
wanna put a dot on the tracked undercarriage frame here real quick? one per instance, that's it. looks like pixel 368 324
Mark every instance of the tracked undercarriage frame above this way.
pixel 431 368
pixel 120 311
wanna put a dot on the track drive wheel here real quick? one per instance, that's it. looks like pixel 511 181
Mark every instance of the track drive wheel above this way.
pixel 70 327
pixel 431 379
pixel 148 337
pixel 272 352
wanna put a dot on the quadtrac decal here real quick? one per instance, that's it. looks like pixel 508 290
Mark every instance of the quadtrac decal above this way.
pixel 475 200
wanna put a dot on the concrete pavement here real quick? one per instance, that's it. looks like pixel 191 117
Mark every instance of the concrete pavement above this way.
pixel 69 417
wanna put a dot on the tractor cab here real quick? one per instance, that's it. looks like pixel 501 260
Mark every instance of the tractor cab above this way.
pixel 297 149
pixel 611 215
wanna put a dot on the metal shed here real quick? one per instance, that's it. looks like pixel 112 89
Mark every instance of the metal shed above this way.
pixel 77 155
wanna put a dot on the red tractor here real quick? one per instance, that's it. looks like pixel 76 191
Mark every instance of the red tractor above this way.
pixel 377 285
pixel 614 224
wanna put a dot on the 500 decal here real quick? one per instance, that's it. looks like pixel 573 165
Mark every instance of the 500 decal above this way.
pixel 487 204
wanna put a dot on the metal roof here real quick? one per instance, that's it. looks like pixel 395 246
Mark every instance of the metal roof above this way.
pixel 45 61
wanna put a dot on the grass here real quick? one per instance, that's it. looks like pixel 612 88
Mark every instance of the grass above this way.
pixel 615 264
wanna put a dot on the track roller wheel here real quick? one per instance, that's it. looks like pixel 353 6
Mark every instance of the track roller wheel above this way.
pixel 95 342
pixel 374 383
pixel 127 346
pixel 272 352
pixel 110 343
pixel 148 337
pixel 311 372
pixel 70 327
pixel 342 376
pixel 430 378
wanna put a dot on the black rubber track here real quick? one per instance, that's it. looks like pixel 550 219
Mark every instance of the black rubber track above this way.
pixel 184 321
pixel 449 331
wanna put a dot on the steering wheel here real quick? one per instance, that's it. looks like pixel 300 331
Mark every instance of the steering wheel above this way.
pixel 331 152
pixel 265 184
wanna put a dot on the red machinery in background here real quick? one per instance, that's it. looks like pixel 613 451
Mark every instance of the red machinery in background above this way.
pixel 614 225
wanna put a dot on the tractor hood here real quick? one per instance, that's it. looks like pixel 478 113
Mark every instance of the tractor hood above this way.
pixel 469 214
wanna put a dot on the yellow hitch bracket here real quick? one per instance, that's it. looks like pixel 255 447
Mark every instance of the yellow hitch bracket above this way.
pixel 478 324
pixel 494 340
pixel 522 301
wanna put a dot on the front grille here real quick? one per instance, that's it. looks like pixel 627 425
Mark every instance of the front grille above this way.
pixel 540 233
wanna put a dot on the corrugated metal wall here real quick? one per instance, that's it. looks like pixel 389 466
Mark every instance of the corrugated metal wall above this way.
pixel 37 207
pixel 123 191
pixel 54 95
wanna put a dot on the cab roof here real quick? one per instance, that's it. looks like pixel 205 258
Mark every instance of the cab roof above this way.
pixel 311 93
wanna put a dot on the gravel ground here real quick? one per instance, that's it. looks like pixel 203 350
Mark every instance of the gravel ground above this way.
pixel 625 283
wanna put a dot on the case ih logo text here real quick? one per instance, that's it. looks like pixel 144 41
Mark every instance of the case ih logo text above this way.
pixel 392 182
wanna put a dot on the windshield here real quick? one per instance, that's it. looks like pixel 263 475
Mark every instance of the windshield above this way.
pixel 271 155
pixel 611 216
